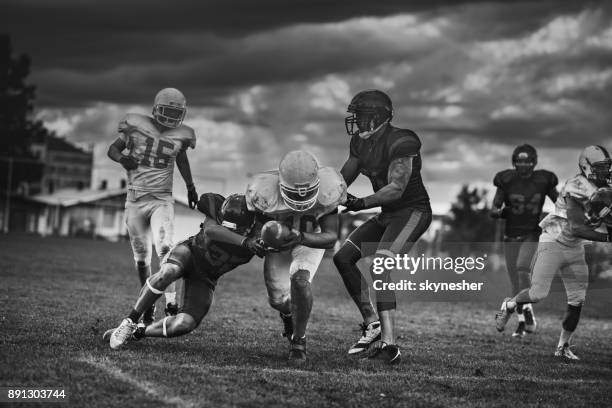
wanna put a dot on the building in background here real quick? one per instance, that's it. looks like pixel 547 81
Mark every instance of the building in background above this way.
pixel 65 165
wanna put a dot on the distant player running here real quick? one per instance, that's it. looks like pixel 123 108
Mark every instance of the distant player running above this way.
pixel 225 241
pixel 153 144
pixel 581 214
pixel 519 199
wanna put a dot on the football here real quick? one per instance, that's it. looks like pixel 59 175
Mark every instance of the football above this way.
pixel 274 234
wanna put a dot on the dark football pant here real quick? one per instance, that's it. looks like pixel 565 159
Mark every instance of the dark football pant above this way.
pixel 198 290
pixel 519 253
pixel 385 235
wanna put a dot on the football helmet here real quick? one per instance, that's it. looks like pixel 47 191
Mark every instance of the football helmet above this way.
pixel 236 216
pixel 169 107
pixel 299 180
pixel 524 160
pixel 370 110
pixel 594 163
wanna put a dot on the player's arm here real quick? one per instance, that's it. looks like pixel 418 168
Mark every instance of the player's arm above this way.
pixel 182 162
pixel 350 170
pixel 552 192
pixel 398 175
pixel 115 153
pixel 498 202
pixel 328 235
pixel 577 225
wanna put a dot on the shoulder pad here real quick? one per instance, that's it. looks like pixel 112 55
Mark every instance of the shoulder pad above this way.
pixel 263 192
pixel 332 188
pixel 134 120
pixel 403 142
pixel 210 205
pixel 578 187
pixel 503 178
pixel 187 135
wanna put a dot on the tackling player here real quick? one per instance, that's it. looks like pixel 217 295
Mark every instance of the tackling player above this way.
pixel 304 197
pixel 152 145
pixel 390 157
pixel 225 241
pixel 521 192
pixel 561 245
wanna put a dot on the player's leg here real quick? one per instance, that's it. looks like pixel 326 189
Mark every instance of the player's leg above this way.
pixel 512 248
pixel 346 259
pixel 523 269
pixel 278 285
pixel 302 270
pixel 401 232
pixel 162 226
pixel 575 277
pixel 172 269
pixel 197 298
pixel 546 263
pixel 137 221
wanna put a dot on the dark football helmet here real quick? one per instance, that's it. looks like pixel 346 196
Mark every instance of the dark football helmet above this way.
pixel 599 207
pixel 236 216
pixel 524 159
pixel 369 110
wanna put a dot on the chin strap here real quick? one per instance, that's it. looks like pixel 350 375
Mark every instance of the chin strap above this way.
pixel 368 133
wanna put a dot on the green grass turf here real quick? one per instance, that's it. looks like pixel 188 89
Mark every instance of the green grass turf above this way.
pixel 59 295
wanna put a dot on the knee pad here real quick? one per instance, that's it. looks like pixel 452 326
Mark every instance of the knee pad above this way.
pixel 572 316
pixel 301 278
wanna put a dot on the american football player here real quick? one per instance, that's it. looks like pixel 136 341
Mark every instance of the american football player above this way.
pixel 304 197
pixel 519 199
pixel 151 146
pixel 227 239
pixel 580 212
pixel 390 157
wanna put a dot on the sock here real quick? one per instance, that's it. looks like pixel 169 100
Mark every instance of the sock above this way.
pixel 134 315
pixel 521 317
pixel 564 338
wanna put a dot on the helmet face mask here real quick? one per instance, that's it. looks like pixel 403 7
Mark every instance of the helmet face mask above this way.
pixel 236 216
pixel 299 180
pixel 596 165
pixel 370 110
pixel 524 160
pixel 169 107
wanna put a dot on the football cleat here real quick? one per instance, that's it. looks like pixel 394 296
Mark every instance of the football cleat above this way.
pixel 530 322
pixel 171 309
pixel 564 351
pixel 138 334
pixel 389 353
pixel 502 317
pixel 520 330
pixel 148 316
pixel 369 334
pixel 288 325
pixel 297 351
pixel 123 333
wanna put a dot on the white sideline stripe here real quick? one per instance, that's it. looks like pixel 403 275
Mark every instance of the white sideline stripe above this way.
pixel 361 373
pixel 147 387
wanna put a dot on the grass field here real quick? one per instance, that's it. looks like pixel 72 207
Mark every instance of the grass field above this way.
pixel 59 295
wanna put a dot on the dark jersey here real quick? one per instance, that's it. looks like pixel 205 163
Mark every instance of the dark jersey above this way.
pixel 212 258
pixel 376 153
pixel 524 198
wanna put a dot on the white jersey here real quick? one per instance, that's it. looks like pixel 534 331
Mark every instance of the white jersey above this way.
pixel 263 195
pixel 155 152
pixel 555 225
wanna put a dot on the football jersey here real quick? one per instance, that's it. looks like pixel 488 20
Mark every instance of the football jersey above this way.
pixel 376 153
pixel 263 195
pixel 212 258
pixel 524 198
pixel 155 152
pixel 555 224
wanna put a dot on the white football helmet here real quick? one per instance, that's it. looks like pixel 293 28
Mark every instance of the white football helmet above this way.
pixel 299 180
pixel 169 107
pixel 595 163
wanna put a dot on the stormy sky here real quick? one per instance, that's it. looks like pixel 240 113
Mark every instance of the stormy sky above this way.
pixel 472 78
